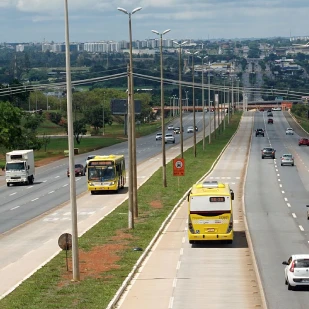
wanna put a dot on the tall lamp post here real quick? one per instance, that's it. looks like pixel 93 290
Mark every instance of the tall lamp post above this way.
pixel 193 102
pixel 75 255
pixel 203 100
pixel 162 105
pixel 180 95
pixel 132 164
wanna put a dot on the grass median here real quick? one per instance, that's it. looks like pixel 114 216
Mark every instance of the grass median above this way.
pixel 107 252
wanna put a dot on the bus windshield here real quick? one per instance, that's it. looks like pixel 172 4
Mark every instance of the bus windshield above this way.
pixel 200 203
pixel 101 173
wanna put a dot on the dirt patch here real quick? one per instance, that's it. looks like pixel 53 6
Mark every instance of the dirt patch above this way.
pixel 99 259
pixel 156 204
pixel 48 160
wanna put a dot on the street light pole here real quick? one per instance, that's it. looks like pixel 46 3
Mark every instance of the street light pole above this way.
pixel 193 102
pixel 103 123
pixel 203 101
pixel 162 105
pixel 135 202
pixel 209 107
pixel 75 255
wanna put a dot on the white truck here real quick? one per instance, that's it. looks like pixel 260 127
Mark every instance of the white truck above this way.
pixel 19 167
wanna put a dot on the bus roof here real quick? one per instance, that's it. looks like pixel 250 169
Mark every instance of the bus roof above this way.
pixel 210 188
pixel 108 158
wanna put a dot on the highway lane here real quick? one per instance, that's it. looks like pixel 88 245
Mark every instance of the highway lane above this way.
pixel 210 275
pixel 51 188
pixel 275 199
pixel 28 247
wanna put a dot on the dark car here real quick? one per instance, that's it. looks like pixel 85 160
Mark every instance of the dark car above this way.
pixel 270 115
pixel 270 120
pixel 268 152
pixel 79 170
pixel 177 130
pixel 303 141
pixel 261 109
pixel 259 132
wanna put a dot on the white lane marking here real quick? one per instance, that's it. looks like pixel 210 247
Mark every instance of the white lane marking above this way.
pixel 181 251
pixel 78 179
pixel 34 199
pixel 65 185
pixel 57 176
pixel 289 205
pixel 276 170
pixel 13 193
pixel 30 187
pixel 170 305
pixel 51 192
pixel 28 253
pixel 183 240
pixel 280 185
pixel 294 216
pixel 174 282
pixel 283 192
pixel 44 180
pixel 15 207
pixel 178 265
pixel 279 179
pixel 301 228
pixel 278 174
pixel 285 199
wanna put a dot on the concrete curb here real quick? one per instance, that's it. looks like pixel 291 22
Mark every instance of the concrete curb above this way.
pixel 139 262
pixel 297 122
pixel 248 236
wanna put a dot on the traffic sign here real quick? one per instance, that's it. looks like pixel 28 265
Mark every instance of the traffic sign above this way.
pixel 178 167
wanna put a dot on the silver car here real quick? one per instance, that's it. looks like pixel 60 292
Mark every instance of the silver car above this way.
pixel 289 131
pixel 287 159
pixel 169 138
pixel 190 129
pixel 159 137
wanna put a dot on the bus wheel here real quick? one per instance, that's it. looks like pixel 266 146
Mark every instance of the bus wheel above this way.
pixel 191 242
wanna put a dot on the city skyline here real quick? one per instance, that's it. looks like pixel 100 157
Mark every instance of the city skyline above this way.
pixel 90 20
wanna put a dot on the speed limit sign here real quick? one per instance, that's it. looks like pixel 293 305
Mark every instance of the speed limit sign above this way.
pixel 178 167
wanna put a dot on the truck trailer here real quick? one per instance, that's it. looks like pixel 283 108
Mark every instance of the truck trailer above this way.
pixel 19 167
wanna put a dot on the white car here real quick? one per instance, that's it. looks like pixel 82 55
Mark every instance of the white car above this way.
pixel 190 129
pixel 169 138
pixel 287 159
pixel 159 137
pixel 289 131
pixel 296 272
pixel 276 108
pixel 170 127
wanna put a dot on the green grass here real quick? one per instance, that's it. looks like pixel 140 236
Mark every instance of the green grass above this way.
pixel 303 122
pixel 51 288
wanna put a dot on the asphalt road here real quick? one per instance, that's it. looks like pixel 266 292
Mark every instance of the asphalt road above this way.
pixel 177 275
pixel 19 204
pixel 275 199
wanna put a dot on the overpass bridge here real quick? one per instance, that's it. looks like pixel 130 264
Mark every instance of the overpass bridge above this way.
pixel 285 105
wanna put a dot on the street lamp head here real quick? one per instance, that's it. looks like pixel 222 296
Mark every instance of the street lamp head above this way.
pixel 156 32
pixel 123 10
pixel 166 31
pixel 136 9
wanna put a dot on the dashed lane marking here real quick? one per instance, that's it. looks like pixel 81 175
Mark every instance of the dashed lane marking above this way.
pixel 293 214
pixel 301 228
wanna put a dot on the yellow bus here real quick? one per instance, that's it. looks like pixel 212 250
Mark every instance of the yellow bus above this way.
pixel 210 212
pixel 106 173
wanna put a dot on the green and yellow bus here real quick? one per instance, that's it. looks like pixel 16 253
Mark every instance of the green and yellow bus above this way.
pixel 106 173
pixel 210 212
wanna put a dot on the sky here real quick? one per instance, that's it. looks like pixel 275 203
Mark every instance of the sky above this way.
pixel 99 20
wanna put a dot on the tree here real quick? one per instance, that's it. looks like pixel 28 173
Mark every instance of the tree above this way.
pixel 79 128
pixel 10 130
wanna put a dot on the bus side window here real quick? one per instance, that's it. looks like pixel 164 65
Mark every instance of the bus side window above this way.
pixel 118 169
pixel 232 194
pixel 188 197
